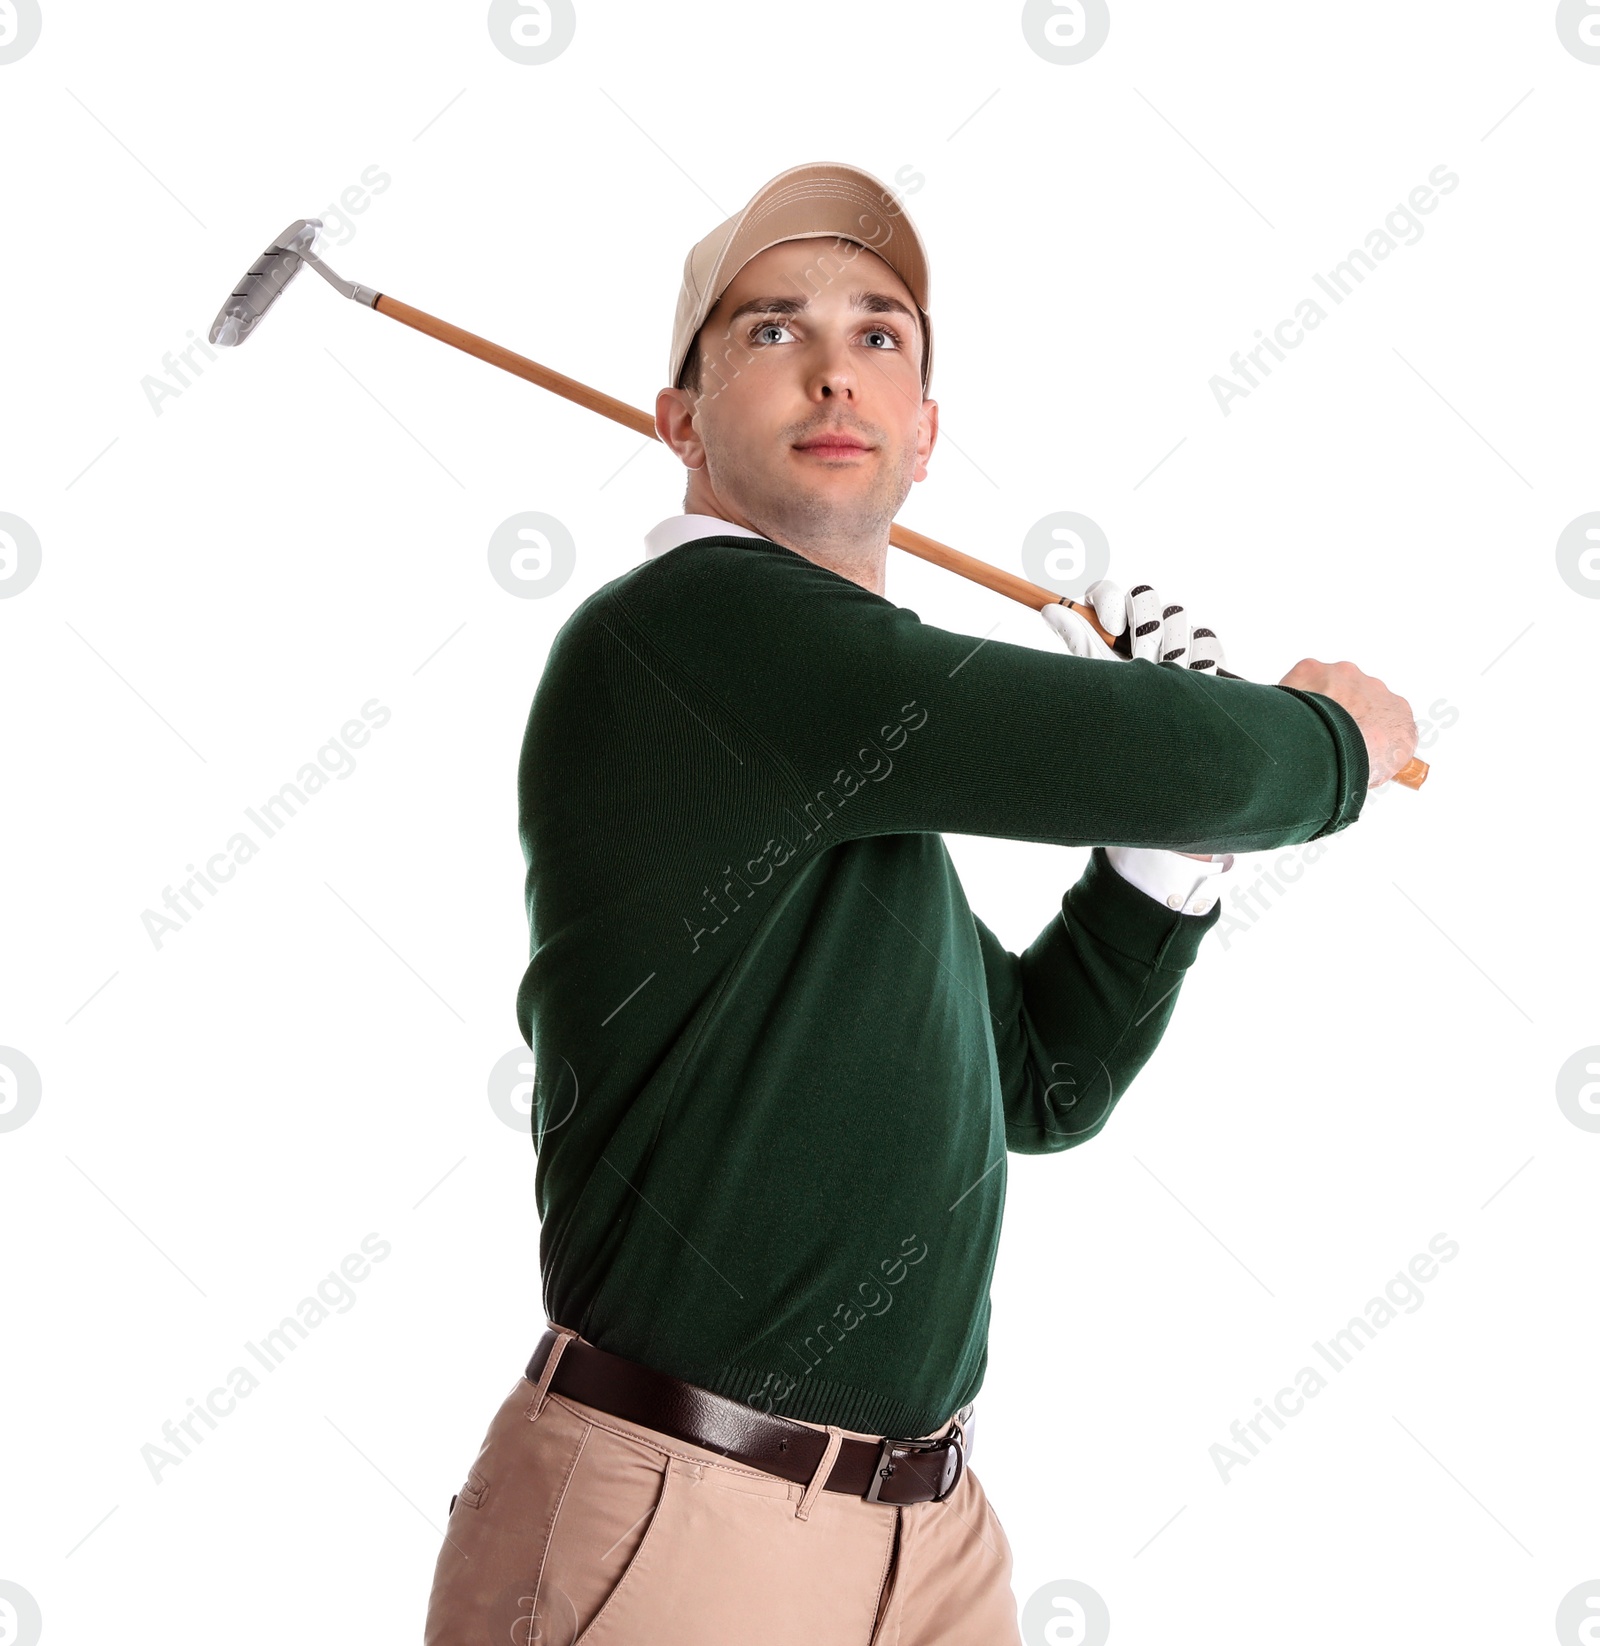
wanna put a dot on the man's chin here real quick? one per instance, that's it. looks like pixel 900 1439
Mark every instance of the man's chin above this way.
pixel 837 510
pixel 856 480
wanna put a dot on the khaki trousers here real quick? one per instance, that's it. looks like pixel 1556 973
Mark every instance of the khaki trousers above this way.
pixel 575 1525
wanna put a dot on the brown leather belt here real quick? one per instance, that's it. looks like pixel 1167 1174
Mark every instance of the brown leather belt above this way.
pixel 882 1471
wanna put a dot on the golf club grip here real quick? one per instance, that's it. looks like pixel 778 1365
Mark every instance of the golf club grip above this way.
pixel 1412 775
pixel 1007 583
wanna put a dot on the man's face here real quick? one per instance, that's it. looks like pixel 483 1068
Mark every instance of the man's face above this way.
pixel 809 417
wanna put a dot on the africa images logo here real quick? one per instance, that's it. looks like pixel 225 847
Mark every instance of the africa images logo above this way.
pixel 1066 31
pixel 20 554
pixel 20 23
pixel 1402 227
pixel 848 780
pixel 1578 28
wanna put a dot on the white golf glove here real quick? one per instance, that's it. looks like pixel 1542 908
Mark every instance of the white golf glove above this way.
pixel 1161 632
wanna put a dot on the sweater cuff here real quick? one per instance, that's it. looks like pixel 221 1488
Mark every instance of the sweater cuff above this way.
pixel 1115 912
pixel 1353 764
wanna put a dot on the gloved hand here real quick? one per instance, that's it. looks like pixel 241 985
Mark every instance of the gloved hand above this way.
pixel 1160 632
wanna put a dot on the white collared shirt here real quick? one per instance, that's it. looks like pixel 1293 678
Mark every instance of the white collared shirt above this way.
pixel 684 528
pixel 1169 877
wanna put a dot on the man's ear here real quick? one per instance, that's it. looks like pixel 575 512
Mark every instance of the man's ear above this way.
pixel 675 425
pixel 927 434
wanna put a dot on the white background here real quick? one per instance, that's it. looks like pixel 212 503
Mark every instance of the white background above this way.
pixel 304 527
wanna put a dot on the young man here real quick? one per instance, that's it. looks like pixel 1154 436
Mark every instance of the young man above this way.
pixel 780 1061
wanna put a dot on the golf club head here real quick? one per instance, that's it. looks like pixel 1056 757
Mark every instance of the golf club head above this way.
pixel 264 281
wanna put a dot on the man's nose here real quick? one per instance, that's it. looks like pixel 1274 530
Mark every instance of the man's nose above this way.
pixel 832 373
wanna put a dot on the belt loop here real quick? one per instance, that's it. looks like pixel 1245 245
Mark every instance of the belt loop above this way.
pixel 824 1469
pixel 564 1336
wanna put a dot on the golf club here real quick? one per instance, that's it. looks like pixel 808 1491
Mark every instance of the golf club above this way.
pixel 264 282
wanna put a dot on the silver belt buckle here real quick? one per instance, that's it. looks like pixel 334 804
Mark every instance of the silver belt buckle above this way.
pixel 953 1445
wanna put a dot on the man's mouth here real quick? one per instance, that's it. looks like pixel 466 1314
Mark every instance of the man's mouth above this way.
pixel 835 444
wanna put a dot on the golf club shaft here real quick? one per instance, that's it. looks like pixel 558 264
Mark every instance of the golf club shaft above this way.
pixel 1007 583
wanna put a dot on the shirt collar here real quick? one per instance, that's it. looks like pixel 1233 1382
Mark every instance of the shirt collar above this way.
pixel 685 528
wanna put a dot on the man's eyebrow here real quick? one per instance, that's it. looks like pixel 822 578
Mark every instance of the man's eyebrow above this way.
pixel 873 302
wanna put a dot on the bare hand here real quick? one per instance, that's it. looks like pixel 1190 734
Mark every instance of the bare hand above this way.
pixel 1385 720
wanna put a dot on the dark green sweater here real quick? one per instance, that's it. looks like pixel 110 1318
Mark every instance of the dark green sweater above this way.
pixel 780 1060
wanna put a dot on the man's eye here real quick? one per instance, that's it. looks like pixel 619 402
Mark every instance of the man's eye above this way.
pixel 885 331
pixel 766 326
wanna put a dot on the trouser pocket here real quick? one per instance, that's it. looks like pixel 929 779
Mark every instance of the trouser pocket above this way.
pixel 485 1581
pixel 723 1560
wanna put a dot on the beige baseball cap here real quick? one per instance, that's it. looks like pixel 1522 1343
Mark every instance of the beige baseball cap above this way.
pixel 822 200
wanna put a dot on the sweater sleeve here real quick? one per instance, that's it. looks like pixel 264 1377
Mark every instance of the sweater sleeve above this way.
pixel 1077 1015
pixel 883 724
